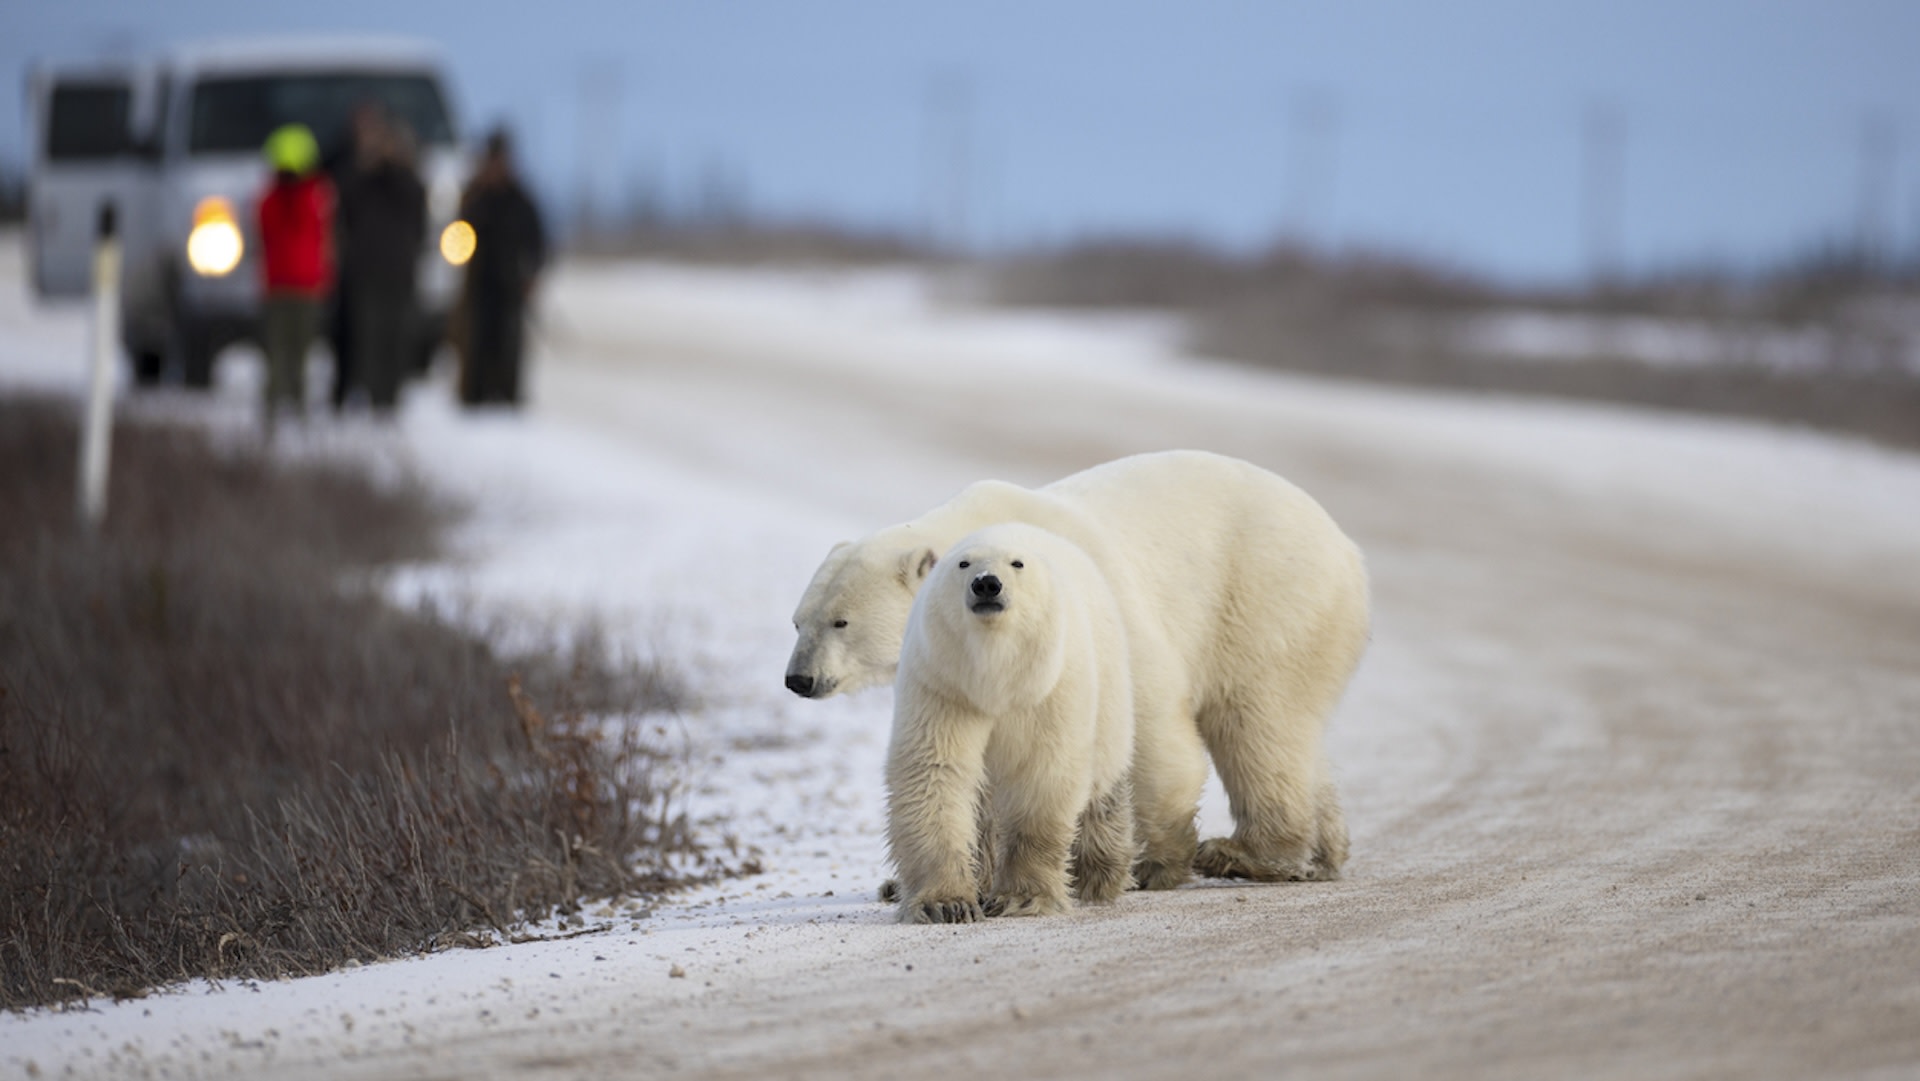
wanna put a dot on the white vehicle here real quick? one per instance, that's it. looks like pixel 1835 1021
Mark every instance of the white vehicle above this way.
pixel 172 142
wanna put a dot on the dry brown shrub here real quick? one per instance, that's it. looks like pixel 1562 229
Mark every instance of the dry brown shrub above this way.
pixel 217 761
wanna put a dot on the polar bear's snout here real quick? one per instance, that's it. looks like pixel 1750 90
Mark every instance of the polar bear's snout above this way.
pixel 986 595
pixel 807 676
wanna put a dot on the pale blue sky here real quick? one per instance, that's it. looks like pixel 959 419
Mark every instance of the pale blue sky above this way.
pixel 1449 129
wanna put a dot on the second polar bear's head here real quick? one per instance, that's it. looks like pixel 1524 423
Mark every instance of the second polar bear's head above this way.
pixel 853 614
pixel 988 622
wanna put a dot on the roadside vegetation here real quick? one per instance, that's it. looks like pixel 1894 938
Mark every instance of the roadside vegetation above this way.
pixel 221 759
pixel 1829 341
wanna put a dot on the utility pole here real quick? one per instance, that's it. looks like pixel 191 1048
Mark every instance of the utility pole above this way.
pixel 1913 252
pixel 1313 142
pixel 948 161
pixel 598 117
pixel 1879 162
pixel 1603 175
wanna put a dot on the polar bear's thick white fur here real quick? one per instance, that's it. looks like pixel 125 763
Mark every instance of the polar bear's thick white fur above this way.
pixel 1012 697
pixel 1246 614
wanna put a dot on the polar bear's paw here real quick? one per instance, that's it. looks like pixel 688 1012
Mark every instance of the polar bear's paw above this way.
pixel 1223 857
pixel 890 892
pixel 944 910
pixel 1101 885
pixel 1024 904
pixel 1154 875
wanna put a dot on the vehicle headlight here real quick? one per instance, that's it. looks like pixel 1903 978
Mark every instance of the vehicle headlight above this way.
pixel 457 243
pixel 215 245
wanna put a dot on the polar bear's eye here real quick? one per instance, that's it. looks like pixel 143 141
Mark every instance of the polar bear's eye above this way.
pixel 838 623
pixel 964 564
pixel 1017 564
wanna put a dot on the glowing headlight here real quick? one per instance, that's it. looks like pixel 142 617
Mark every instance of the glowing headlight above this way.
pixel 215 245
pixel 457 243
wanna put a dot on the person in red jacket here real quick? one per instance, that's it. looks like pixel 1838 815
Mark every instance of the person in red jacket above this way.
pixel 296 256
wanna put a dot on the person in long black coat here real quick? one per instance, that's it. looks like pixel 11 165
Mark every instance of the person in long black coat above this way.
pixel 356 149
pixel 383 217
pixel 510 247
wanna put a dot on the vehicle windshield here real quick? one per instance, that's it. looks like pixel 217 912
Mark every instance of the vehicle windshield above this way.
pixel 237 113
pixel 87 121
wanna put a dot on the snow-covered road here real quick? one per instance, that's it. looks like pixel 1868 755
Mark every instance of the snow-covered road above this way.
pixel 1632 767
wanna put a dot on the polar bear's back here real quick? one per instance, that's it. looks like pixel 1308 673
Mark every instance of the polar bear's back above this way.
pixel 1208 539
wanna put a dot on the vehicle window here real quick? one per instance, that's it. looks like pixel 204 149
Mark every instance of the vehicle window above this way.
pixel 238 113
pixel 87 121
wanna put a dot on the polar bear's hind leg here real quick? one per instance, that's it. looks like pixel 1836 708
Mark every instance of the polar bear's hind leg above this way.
pixel 1272 776
pixel 1103 860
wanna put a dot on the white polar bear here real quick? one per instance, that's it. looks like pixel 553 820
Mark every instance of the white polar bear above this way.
pixel 1012 697
pixel 1246 614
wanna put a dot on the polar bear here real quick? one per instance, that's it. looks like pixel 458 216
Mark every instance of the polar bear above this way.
pixel 1246 611
pixel 1012 697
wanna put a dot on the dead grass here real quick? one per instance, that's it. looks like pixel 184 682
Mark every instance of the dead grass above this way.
pixel 1875 401
pixel 216 761
pixel 1386 320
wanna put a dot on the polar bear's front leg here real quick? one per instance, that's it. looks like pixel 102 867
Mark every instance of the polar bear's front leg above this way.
pixel 1030 872
pixel 1031 876
pixel 935 769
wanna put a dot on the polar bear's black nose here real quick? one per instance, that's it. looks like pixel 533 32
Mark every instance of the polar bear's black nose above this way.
pixel 986 586
pixel 800 685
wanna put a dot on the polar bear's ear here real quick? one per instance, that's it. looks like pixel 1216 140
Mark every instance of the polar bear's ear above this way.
pixel 915 565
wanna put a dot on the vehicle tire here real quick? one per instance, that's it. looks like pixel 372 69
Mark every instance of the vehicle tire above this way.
pixel 193 351
pixel 190 348
pixel 420 358
pixel 428 336
pixel 148 366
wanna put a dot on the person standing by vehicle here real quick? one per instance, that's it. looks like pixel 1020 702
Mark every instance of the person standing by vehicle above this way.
pixel 350 154
pixel 295 218
pixel 510 247
pixel 383 218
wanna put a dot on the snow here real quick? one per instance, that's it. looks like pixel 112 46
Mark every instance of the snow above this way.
pixel 685 513
pixel 1676 342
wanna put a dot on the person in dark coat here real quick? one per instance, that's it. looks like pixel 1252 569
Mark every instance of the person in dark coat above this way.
pixel 510 247
pixel 383 218
pixel 355 150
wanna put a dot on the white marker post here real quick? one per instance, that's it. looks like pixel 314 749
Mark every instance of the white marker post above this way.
pixel 96 433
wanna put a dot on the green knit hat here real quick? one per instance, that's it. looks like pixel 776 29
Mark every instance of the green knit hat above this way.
pixel 291 148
